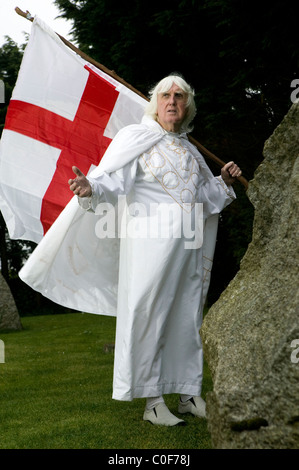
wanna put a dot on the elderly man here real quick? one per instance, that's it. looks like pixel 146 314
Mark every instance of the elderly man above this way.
pixel 158 349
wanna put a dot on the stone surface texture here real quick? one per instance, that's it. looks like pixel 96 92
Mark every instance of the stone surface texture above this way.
pixel 249 335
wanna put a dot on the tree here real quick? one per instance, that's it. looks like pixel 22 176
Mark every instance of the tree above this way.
pixel 10 59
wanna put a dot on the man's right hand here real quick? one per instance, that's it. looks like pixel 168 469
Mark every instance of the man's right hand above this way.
pixel 80 185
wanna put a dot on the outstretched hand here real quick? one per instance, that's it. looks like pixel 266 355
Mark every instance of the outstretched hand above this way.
pixel 230 172
pixel 80 185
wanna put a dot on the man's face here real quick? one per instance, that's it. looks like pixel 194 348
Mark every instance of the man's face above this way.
pixel 172 108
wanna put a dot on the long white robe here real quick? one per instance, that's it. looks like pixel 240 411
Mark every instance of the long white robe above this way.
pixel 155 285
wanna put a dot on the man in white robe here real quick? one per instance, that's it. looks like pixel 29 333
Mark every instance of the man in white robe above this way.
pixel 161 285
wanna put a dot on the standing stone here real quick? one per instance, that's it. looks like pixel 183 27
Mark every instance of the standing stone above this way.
pixel 251 334
pixel 9 316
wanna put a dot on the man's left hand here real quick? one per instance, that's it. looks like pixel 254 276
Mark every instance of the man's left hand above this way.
pixel 230 172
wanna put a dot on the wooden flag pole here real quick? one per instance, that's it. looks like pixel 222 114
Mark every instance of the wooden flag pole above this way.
pixel 112 74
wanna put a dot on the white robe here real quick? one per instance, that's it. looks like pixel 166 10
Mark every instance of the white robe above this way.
pixel 155 285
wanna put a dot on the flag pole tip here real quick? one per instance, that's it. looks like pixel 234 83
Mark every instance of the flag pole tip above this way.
pixel 26 14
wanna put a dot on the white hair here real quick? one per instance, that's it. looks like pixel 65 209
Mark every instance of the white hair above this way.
pixel 163 86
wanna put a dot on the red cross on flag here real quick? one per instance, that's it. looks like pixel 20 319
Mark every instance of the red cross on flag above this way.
pixel 63 112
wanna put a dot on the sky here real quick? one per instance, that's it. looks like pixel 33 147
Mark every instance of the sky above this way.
pixel 13 25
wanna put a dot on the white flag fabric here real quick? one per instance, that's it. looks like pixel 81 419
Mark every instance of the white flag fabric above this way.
pixel 63 112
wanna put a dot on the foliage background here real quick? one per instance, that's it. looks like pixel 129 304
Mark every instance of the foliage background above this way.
pixel 240 56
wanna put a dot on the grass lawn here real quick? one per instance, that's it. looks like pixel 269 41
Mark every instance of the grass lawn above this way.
pixel 56 386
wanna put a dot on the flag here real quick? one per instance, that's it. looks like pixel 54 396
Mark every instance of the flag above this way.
pixel 63 112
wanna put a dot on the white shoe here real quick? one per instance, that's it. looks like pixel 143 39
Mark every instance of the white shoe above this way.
pixel 195 406
pixel 160 414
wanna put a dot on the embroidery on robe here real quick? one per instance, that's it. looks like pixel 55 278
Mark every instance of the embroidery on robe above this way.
pixel 180 181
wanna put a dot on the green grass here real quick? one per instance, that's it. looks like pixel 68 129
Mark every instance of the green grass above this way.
pixel 56 386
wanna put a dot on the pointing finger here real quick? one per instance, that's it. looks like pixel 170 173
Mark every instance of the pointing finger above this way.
pixel 77 171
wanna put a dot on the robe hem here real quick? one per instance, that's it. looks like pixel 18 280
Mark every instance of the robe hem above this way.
pixel 158 390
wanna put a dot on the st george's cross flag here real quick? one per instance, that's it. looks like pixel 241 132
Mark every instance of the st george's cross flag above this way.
pixel 63 112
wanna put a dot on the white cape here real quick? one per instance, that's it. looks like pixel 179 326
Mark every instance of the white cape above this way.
pixel 71 265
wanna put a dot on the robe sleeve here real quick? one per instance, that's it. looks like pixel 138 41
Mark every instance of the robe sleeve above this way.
pixel 215 196
pixel 107 187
